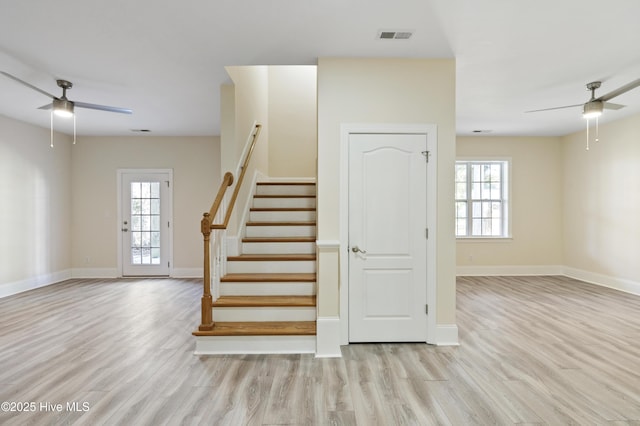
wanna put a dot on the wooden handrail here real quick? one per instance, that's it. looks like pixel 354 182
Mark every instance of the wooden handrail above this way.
pixel 243 170
pixel 207 225
pixel 227 181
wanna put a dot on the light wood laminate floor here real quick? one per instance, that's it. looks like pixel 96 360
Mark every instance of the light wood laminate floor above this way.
pixel 534 350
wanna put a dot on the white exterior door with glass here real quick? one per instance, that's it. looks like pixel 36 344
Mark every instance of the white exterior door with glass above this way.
pixel 145 222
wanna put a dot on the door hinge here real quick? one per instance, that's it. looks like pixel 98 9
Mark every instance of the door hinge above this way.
pixel 426 233
pixel 426 154
pixel 426 309
pixel 167 183
pixel 168 224
pixel 168 264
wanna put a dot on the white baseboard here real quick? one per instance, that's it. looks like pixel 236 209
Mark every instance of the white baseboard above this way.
pixel 32 283
pixel 482 270
pixel 328 338
pixel 187 273
pixel 616 283
pixel 94 273
pixel 446 335
pixel 621 284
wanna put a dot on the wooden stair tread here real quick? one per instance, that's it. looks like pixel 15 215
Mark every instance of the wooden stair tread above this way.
pixel 269 277
pixel 282 196
pixel 286 183
pixel 264 301
pixel 279 240
pixel 282 209
pixel 270 328
pixel 283 223
pixel 271 257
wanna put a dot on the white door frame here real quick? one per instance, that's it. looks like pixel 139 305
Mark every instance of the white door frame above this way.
pixel 120 173
pixel 431 131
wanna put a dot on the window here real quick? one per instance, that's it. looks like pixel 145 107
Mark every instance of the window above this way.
pixel 482 199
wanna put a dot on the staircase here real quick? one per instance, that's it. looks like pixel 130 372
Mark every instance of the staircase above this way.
pixel 267 300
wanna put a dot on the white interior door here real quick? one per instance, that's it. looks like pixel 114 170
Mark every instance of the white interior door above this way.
pixel 387 237
pixel 145 223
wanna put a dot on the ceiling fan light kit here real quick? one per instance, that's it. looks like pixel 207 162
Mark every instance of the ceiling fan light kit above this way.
pixel 63 108
pixel 592 109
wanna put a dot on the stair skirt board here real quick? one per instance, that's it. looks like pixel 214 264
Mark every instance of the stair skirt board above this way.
pixel 268 313
pixel 230 345
pixel 267 288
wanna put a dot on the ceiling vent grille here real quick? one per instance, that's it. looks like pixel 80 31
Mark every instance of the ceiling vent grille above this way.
pixel 394 35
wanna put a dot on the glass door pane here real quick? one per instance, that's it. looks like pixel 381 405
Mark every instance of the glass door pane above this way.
pixel 145 223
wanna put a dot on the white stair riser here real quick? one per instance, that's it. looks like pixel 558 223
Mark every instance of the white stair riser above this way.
pixel 268 289
pixel 278 248
pixel 219 345
pixel 282 216
pixel 271 267
pixel 286 190
pixel 264 314
pixel 304 202
pixel 281 231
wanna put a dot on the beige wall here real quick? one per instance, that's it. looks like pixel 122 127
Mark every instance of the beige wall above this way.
pixel 95 160
pixel 385 91
pixel 536 205
pixel 293 128
pixel 602 204
pixel 251 102
pixel 228 156
pixel 35 213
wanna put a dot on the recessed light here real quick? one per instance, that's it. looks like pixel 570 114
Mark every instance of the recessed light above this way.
pixel 481 131
pixel 141 130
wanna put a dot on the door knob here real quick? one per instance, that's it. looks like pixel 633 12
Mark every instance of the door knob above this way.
pixel 125 229
pixel 357 249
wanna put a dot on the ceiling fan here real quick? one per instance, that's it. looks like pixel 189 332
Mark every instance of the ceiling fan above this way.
pixel 594 106
pixel 63 106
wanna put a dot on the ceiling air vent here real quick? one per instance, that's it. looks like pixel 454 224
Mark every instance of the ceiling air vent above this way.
pixel 394 35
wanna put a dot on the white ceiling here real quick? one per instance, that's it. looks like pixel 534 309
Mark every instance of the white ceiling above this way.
pixel 165 59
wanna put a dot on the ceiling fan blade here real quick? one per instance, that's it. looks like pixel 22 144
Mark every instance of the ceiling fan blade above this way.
pixel 47 106
pixel 31 86
pixel 611 105
pixel 550 109
pixel 619 91
pixel 103 108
